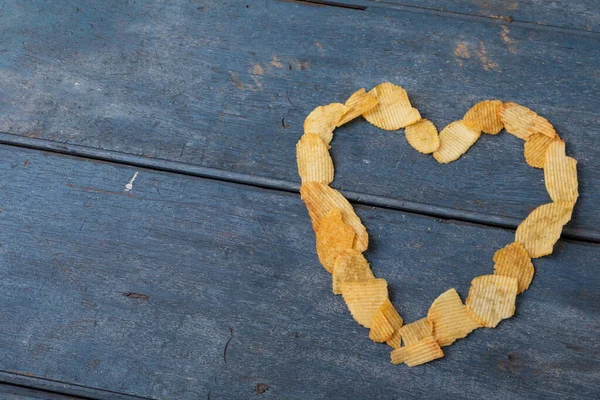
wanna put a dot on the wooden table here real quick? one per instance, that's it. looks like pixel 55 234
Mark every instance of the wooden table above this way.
pixel 153 242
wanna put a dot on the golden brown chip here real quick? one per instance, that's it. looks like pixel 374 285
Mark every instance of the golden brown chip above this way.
pixel 364 299
pixel 560 174
pixel 492 299
pixel 450 318
pixel 535 149
pixel 350 266
pixel 389 311
pixel 395 321
pixel 523 122
pixel 542 228
pixel 513 260
pixel 381 328
pixel 395 340
pixel 314 161
pixel 359 103
pixel 415 331
pixel 393 110
pixel 455 140
pixel 333 237
pixel 323 120
pixel 320 199
pixel 483 117
pixel 423 136
pixel 425 350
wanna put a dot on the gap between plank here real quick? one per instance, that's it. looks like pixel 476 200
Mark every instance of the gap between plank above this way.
pixel 328 3
pixel 63 388
pixel 163 165
pixel 446 13
pixel 29 392
pixel 500 18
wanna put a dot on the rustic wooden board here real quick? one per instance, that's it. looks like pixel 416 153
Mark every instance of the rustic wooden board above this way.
pixel 14 392
pixel 223 87
pixel 580 14
pixel 192 288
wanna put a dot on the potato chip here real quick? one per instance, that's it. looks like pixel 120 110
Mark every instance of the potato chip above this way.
pixel 425 350
pixel 393 110
pixel 341 237
pixel 359 103
pixel 450 318
pixel 513 260
pixel 396 322
pixel 542 228
pixel 483 117
pixel 381 328
pixel 455 140
pixel 522 122
pixel 492 299
pixel 314 161
pixel 350 266
pixel 364 299
pixel 535 149
pixel 560 174
pixel 415 331
pixel 323 120
pixel 395 340
pixel 389 311
pixel 320 199
pixel 423 136
pixel 333 237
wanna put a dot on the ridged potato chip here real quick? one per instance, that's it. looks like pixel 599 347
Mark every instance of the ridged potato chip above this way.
pixel 535 149
pixel 350 266
pixel 386 330
pixel 560 174
pixel 341 237
pixel 323 120
pixel 423 136
pixel 360 102
pixel 523 122
pixel 395 340
pixel 381 328
pixel 364 299
pixel 393 110
pixel 333 237
pixel 425 350
pixel 314 161
pixel 450 318
pixel 389 311
pixel 320 199
pixel 513 260
pixel 455 140
pixel 542 228
pixel 415 331
pixel 483 117
pixel 492 299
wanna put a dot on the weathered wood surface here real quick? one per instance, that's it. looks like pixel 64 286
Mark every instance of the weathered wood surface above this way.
pixel 224 86
pixel 192 288
pixel 580 14
pixel 13 392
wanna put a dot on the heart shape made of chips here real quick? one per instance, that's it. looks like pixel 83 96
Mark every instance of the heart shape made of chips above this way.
pixel 341 237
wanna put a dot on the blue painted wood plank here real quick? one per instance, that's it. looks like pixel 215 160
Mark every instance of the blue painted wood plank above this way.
pixel 219 85
pixel 13 392
pixel 46 388
pixel 579 14
pixel 183 287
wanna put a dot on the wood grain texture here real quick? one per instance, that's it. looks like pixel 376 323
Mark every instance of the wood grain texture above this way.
pixel 219 85
pixel 14 392
pixel 579 14
pixel 45 387
pixel 192 288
